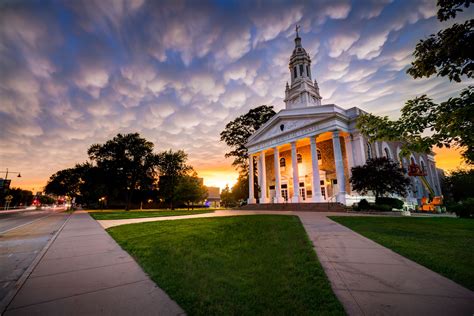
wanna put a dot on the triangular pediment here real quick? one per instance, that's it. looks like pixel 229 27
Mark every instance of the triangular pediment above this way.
pixel 282 125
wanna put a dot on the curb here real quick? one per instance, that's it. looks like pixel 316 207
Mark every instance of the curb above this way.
pixel 19 284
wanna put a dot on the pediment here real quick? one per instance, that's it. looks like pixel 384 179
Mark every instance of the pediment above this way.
pixel 284 125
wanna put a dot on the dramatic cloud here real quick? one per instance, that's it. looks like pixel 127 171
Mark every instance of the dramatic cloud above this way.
pixel 76 73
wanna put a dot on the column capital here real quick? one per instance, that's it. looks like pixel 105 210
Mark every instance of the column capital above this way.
pixel 335 133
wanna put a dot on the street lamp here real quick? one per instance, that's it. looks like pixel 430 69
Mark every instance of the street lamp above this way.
pixel 6 173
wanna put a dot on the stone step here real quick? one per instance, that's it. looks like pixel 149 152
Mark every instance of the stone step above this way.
pixel 304 207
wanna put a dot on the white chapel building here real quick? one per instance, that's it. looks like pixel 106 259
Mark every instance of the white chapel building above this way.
pixel 306 151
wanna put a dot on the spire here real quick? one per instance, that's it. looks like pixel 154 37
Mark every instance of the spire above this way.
pixel 297 38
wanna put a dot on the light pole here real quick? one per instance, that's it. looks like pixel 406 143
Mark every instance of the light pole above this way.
pixel 6 185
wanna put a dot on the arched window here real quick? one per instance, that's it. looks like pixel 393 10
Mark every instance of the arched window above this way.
pixel 295 74
pixel 387 153
pixel 301 70
pixel 369 151
pixel 319 154
pixel 299 159
pixel 282 162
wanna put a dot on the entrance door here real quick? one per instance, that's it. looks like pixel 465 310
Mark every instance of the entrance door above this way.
pixel 284 191
pixel 302 191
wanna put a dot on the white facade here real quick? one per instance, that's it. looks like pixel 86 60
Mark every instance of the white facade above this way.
pixel 306 151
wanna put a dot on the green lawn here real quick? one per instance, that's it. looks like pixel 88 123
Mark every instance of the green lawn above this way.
pixel 444 245
pixel 121 214
pixel 242 265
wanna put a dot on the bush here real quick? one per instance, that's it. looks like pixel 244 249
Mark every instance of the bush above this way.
pixel 381 207
pixel 464 209
pixel 392 202
pixel 363 205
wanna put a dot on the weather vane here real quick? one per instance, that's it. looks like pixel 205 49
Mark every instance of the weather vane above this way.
pixel 297 27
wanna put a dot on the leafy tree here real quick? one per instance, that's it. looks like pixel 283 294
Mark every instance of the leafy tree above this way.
pixel 449 53
pixel 65 182
pixel 128 162
pixel 227 198
pixel 237 132
pixel 381 176
pixel 20 196
pixel 172 167
pixel 190 190
pixel 460 184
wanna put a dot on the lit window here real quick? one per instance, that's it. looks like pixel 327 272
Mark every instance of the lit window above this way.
pixel 299 159
pixel 282 162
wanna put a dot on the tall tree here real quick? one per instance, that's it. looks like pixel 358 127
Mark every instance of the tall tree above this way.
pixel 380 176
pixel 128 160
pixel 66 182
pixel 172 167
pixel 190 190
pixel 449 53
pixel 237 132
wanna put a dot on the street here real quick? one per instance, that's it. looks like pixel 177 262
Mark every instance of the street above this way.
pixel 22 236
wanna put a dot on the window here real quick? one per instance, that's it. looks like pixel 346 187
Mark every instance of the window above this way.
pixel 369 151
pixel 299 159
pixel 319 154
pixel 307 71
pixel 282 162
pixel 295 74
pixel 387 153
pixel 422 166
pixel 301 70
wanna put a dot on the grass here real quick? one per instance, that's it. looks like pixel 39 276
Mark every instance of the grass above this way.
pixel 242 265
pixel 122 214
pixel 444 245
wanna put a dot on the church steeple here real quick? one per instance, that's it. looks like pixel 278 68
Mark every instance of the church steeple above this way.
pixel 303 91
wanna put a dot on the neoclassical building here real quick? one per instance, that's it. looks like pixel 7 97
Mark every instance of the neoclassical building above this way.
pixel 306 151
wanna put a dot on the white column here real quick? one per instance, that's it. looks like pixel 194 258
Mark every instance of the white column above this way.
pixel 263 179
pixel 316 185
pixel 296 182
pixel 349 155
pixel 276 158
pixel 251 199
pixel 341 179
pixel 362 158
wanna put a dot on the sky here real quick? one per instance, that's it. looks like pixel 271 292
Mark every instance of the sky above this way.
pixel 75 73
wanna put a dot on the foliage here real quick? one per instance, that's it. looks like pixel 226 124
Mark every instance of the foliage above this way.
pixel 381 176
pixel 444 245
pixel 20 196
pixel 239 193
pixel 450 122
pixel 392 202
pixel 363 205
pixel 238 265
pixel 227 198
pixel 460 184
pixel 190 190
pixel 66 182
pixel 127 160
pixel 237 132
pixel 450 51
pixel 464 208
pixel 172 167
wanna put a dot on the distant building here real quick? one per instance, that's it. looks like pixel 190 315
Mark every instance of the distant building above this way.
pixel 214 196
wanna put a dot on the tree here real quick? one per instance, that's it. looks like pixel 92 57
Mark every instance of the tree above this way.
pixel 449 53
pixel 65 182
pixel 460 185
pixel 172 167
pixel 381 176
pixel 237 132
pixel 190 190
pixel 227 198
pixel 128 162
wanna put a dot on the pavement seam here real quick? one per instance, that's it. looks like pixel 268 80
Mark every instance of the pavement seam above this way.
pixel 5 302
pixel 83 269
pixel 78 294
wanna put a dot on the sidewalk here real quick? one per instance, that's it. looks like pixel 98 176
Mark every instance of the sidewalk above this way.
pixel 85 272
pixel 368 278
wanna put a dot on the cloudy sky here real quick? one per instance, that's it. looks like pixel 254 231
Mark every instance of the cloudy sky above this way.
pixel 74 73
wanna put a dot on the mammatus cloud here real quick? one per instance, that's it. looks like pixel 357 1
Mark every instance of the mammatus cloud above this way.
pixel 77 73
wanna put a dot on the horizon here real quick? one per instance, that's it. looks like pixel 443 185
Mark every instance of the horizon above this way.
pixel 76 74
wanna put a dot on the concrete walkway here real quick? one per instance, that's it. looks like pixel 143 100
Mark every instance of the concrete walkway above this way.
pixel 367 278
pixel 85 272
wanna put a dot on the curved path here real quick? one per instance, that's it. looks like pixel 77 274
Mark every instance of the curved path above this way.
pixel 368 278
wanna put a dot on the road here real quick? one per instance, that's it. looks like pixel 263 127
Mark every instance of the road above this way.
pixel 22 236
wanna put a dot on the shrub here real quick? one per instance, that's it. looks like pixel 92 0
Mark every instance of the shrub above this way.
pixel 363 205
pixel 464 209
pixel 392 202
pixel 381 207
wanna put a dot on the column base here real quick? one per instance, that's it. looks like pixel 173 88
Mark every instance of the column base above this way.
pixel 317 199
pixel 251 201
pixel 278 200
pixel 295 199
pixel 341 198
pixel 264 200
